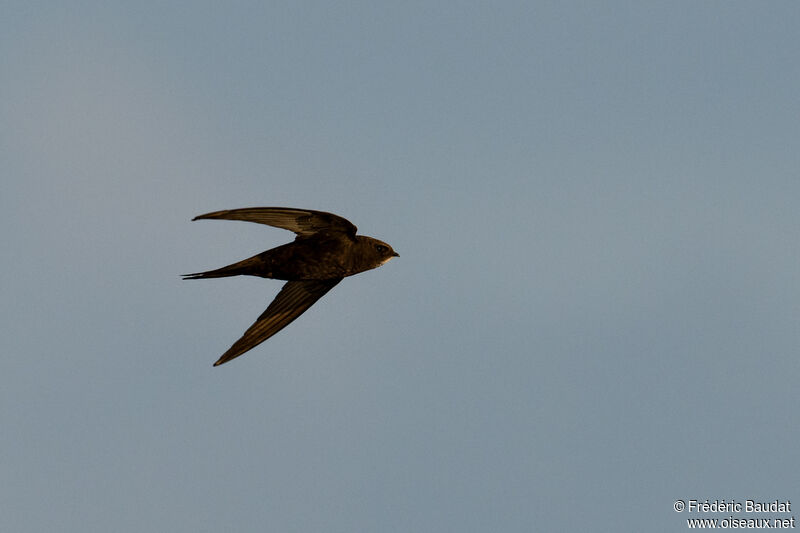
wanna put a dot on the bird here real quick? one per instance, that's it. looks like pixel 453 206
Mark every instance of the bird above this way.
pixel 325 250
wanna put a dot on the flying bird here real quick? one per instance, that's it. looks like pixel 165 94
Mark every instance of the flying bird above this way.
pixel 325 251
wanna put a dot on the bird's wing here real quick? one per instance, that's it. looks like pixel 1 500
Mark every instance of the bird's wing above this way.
pixel 292 301
pixel 303 222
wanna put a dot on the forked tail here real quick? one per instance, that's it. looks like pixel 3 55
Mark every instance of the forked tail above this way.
pixel 251 266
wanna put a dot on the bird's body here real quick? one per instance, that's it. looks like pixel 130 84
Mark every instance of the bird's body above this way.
pixel 325 251
pixel 326 256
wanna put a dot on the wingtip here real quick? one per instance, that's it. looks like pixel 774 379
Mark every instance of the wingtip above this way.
pixel 211 215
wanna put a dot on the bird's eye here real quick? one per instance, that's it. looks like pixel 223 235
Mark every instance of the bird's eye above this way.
pixel 381 248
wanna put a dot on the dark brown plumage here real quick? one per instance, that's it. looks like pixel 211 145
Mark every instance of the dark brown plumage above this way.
pixel 325 251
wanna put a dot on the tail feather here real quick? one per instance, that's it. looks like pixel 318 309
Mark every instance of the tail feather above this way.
pixel 250 266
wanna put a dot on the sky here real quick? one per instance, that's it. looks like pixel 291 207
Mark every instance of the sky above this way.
pixel 595 312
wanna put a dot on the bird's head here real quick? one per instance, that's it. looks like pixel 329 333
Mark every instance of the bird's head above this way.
pixel 374 252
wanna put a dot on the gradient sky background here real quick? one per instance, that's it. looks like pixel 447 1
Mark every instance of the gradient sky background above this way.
pixel 596 310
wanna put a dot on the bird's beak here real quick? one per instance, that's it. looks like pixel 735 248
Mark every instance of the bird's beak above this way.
pixel 395 254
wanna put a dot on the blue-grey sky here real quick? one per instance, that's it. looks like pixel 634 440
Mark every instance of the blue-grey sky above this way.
pixel 596 310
